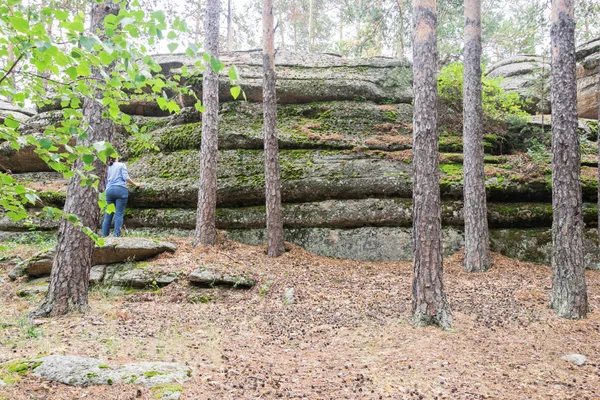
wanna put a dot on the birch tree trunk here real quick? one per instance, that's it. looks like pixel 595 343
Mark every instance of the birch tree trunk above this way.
pixel 477 247
pixel 310 24
pixel 206 231
pixel 429 304
pixel 69 279
pixel 273 181
pixel 229 27
pixel 568 296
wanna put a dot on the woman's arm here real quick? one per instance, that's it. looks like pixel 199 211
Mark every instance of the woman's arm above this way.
pixel 133 183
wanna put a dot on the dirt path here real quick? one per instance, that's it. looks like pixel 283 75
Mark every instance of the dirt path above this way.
pixel 346 336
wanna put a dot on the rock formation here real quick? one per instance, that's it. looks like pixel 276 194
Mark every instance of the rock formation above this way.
pixel 345 139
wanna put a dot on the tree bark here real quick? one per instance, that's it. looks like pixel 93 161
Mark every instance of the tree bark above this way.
pixel 206 231
pixel 568 296
pixel 229 27
pixel 400 24
pixel 429 304
pixel 310 24
pixel 273 181
pixel 477 246
pixel 598 134
pixel 69 279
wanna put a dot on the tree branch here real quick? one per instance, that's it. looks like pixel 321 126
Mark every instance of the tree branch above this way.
pixel 12 67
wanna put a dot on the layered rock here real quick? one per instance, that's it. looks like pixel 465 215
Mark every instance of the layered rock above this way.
pixel 310 77
pixel 526 75
pixel 588 71
pixel 346 172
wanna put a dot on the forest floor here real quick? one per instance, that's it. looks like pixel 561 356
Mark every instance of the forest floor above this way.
pixel 347 334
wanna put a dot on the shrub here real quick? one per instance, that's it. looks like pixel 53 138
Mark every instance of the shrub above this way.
pixel 497 103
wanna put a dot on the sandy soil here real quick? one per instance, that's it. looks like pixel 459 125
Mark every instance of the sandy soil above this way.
pixel 346 336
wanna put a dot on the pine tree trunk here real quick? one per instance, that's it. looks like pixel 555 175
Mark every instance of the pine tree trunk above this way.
pixel 206 232
pixel 69 279
pixel 477 247
pixel 598 99
pixel 273 181
pixel 429 304
pixel 568 296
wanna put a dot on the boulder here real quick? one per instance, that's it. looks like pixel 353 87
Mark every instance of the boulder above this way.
pixel 97 274
pixel 114 250
pixel 87 371
pixel 210 276
pixel 137 275
pixel 577 359
pixel 527 75
pixel 588 70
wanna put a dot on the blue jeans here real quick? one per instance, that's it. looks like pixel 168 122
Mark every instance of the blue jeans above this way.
pixel 116 195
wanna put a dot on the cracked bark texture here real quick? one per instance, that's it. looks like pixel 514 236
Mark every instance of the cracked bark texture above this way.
pixel 273 180
pixel 598 134
pixel 206 231
pixel 568 295
pixel 477 246
pixel 429 305
pixel 69 279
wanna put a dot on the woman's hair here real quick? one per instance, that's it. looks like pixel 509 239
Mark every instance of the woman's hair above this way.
pixel 110 161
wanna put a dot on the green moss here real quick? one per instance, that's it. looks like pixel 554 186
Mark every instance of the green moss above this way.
pixel 103 366
pixel 150 374
pixel 159 391
pixel 20 367
pixel 451 168
pixel 450 143
pixel 10 379
pixel 91 375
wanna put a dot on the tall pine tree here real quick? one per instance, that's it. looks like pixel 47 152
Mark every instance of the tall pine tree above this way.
pixel 568 296
pixel 273 180
pixel 206 231
pixel 69 279
pixel 429 304
pixel 477 247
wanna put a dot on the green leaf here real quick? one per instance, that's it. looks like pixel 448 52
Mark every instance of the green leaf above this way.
pixel 171 35
pixel 11 123
pixel 233 73
pixel 60 14
pixel 83 69
pixel 216 64
pixel 87 42
pixel 31 197
pixel 106 57
pixel 45 143
pixel 235 91
pixel 20 24
pixel 172 46
pixel 88 159
pixel 42 45
pixel 71 72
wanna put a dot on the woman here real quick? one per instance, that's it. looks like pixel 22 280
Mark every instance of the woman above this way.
pixel 117 194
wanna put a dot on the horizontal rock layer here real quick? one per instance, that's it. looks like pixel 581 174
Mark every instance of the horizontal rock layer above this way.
pixel 395 244
pixel 114 250
pixel 329 214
